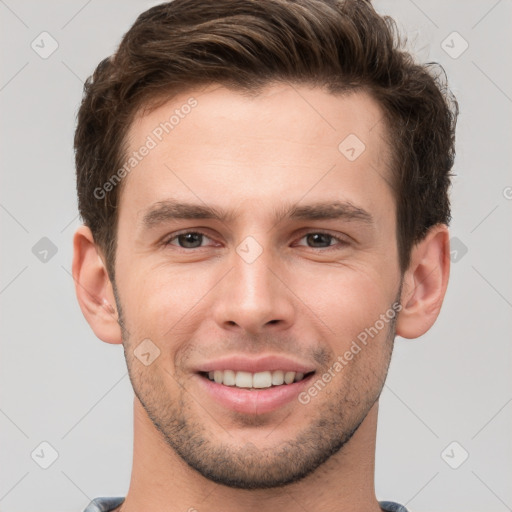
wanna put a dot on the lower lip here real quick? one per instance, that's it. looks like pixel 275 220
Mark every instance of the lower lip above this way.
pixel 253 402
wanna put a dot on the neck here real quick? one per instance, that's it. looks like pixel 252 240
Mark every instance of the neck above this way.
pixel 162 481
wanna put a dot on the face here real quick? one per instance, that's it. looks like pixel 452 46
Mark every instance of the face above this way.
pixel 250 242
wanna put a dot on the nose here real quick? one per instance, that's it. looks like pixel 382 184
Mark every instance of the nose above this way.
pixel 255 296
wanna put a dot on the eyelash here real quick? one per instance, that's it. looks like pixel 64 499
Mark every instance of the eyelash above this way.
pixel 168 241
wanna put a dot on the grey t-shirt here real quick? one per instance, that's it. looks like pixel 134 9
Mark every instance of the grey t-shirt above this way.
pixel 107 504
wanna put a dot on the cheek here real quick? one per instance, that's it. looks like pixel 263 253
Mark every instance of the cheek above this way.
pixel 159 300
pixel 347 303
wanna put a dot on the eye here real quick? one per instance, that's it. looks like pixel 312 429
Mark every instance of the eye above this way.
pixel 187 239
pixel 194 240
pixel 321 238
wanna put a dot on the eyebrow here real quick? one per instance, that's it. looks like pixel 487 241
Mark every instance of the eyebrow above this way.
pixel 170 209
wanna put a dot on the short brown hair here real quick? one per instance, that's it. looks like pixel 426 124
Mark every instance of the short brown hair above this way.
pixel 246 44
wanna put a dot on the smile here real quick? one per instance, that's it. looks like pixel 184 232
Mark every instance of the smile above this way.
pixel 258 380
pixel 246 398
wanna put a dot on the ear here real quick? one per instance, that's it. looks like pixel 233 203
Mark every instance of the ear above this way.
pixel 93 287
pixel 425 283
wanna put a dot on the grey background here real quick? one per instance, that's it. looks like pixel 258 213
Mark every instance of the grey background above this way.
pixel 60 384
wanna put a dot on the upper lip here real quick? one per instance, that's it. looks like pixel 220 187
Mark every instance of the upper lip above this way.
pixel 254 365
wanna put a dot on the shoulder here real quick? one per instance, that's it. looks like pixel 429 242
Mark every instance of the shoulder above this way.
pixel 391 506
pixel 103 504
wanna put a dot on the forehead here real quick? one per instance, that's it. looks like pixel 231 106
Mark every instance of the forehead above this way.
pixel 321 116
pixel 288 141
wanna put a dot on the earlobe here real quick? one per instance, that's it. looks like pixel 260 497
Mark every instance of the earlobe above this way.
pixel 93 287
pixel 425 283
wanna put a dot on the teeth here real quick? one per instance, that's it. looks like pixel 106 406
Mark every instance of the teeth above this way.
pixel 243 380
pixel 262 380
pixel 257 380
pixel 277 378
pixel 229 378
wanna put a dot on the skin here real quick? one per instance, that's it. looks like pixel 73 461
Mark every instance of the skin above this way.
pixel 306 297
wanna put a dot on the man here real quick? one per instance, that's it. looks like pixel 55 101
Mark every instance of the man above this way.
pixel 264 188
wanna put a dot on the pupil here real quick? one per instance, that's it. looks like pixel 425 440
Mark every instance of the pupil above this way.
pixel 188 238
pixel 314 238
